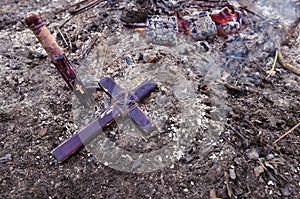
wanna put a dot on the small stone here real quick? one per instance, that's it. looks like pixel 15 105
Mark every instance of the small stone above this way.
pixel 258 170
pixel 113 41
pixel 160 100
pixel 159 158
pixel 270 157
pixel 189 159
pixel 110 71
pixel 232 174
pixel 238 191
pixel 21 80
pixel 202 46
pixel 285 191
pixel 149 58
pixel 129 60
pixel 6 158
pixel 92 159
pixel 253 154
pixel 137 164
pixel 185 190
pixel 269 165
pixel 271 183
pixel 42 132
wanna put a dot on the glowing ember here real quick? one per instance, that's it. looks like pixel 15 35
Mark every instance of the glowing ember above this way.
pixel 228 21
pixel 140 29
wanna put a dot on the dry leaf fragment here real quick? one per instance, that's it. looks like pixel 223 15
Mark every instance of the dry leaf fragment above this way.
pixel 258 170
pixel 42 132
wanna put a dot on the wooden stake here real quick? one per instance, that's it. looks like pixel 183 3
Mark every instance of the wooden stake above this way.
pixel 35 23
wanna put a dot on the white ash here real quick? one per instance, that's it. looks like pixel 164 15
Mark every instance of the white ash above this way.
pixel 175 108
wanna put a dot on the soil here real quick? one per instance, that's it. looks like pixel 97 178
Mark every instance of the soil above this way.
pixel 37 108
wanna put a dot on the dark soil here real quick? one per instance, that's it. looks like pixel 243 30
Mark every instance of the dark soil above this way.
pixel 36 108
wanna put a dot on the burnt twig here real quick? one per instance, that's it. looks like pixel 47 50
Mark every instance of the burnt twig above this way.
pixel 283 62
pixel 240 136
pixel 70 6
pixel 64 39
pixel 91 44
pixel 84 8
pixel 228 187
pixel 251 12
pixel 288 132
pixel 291 31
pixel 66 21
pixel 238 89
pixel 233 88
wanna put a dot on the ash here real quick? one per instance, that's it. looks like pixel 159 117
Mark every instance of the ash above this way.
pixel 176 107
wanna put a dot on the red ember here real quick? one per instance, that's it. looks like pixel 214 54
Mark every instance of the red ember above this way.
pixel 226 15
pixel 227 20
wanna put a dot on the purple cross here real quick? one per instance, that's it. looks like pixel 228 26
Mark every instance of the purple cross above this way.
pixel 123 104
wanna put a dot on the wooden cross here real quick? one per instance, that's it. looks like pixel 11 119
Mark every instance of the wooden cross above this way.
pixel 123 104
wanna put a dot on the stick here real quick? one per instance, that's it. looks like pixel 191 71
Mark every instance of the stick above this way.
pixel 273 65
pixel 69 6
pixel 229 190
pixel 84 8
pixel 291 31
pixel 253 13
pixel 283 62
pixel 64 39
pixel 233 88
pixel 291 130
pixel 239 89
